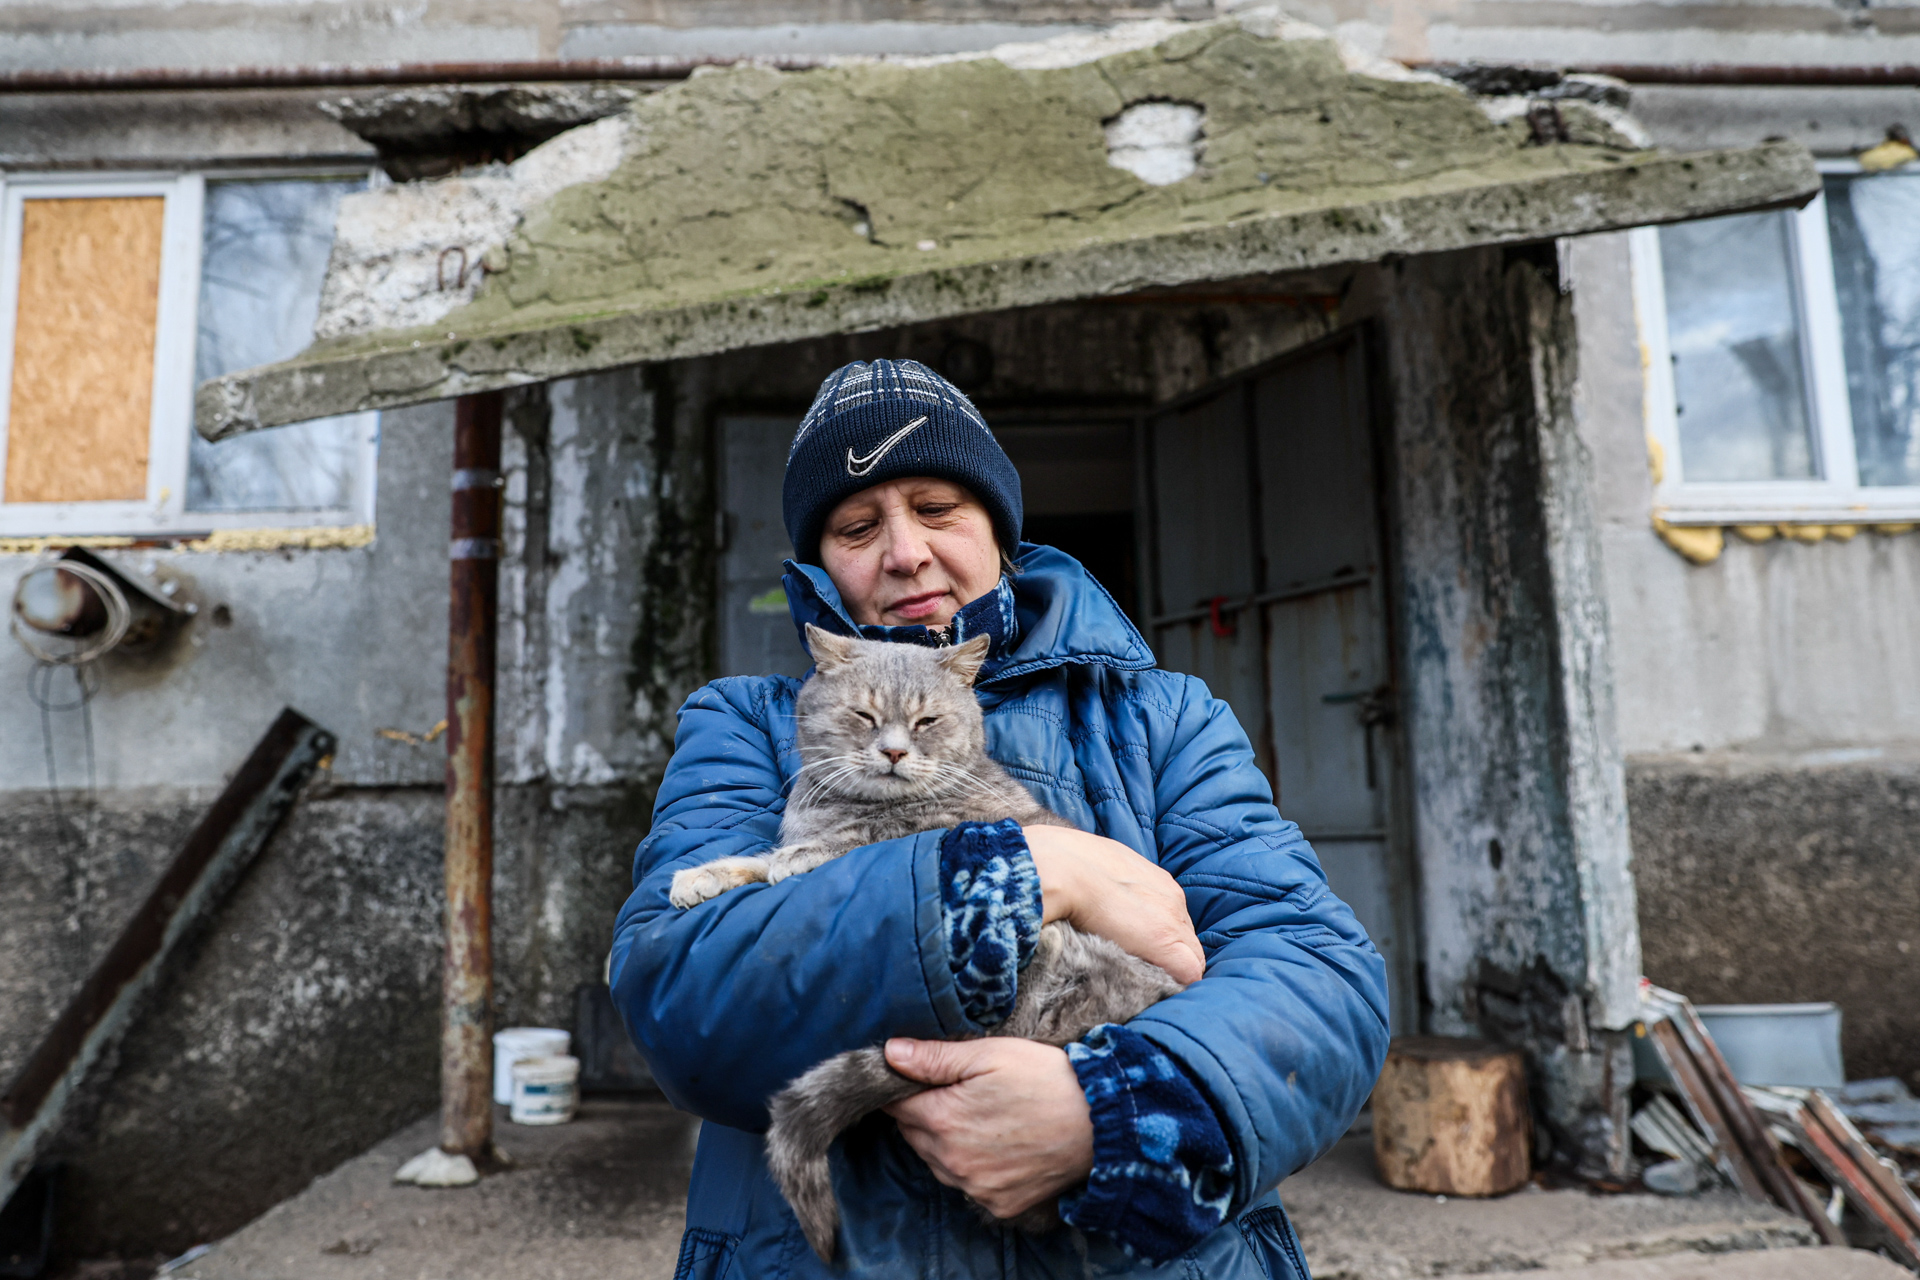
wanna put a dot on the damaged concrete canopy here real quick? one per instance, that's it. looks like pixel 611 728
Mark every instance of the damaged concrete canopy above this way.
pixel 748 206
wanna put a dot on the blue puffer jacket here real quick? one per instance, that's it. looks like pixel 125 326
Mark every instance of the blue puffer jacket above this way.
pixel 733 999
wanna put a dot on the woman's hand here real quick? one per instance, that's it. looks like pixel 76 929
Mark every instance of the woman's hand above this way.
pixel 1009 1126
pixel 1100 886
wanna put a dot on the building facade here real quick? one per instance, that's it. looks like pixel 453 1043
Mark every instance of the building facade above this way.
pixel 1744 396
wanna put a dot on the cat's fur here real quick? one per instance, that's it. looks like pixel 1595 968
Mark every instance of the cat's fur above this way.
pixel 892 743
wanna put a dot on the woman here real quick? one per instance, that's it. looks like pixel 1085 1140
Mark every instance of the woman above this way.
pixel 1162 1139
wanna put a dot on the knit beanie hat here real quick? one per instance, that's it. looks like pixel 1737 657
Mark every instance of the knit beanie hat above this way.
pixel 885 421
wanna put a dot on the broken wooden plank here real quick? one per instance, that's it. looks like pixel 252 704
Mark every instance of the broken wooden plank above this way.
pixel 223 845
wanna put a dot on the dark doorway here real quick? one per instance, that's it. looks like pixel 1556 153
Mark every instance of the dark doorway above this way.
pixel 1077 481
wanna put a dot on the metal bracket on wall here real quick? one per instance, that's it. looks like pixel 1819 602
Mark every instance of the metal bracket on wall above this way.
pixel 207 866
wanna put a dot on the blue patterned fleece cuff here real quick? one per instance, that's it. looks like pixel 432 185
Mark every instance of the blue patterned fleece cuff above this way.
pixel 1162 1170
pixel 990 895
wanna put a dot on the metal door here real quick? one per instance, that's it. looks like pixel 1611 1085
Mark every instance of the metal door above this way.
pixel 1264 535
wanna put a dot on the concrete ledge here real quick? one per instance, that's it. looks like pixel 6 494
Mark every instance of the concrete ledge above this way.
pixel 599 1199
pixel 1353 1228
pixel 412 367
pixel 1775 1264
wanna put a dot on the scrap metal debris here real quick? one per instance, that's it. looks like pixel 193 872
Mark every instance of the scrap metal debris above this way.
pixel 1812 1123
pixel 1744 1148
pixel 1815 1152
pixel 1692 1165
pixel 1889 1116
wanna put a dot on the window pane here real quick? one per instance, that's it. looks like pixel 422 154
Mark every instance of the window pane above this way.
pixel 1733 323
pixel 264 256
pixel 1874 223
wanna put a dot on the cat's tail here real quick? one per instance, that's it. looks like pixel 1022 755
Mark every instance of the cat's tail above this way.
pixel 808 1115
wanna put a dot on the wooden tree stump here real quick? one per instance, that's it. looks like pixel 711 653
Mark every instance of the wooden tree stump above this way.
pixel 1450 1117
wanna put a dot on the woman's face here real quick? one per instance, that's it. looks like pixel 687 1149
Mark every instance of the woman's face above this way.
pixel 910 552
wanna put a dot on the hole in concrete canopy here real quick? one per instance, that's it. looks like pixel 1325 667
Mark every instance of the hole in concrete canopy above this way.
pixel 1157 142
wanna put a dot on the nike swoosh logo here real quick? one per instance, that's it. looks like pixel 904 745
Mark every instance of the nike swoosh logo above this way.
pixel 861 466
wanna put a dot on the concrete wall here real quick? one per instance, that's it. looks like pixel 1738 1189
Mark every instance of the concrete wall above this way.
pixel 303 1027
pixel 1780 645
pixel 1770 703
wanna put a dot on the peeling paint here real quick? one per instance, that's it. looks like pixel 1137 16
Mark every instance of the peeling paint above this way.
pixel 1509 707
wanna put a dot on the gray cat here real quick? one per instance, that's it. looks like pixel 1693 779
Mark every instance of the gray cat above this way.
pixel 892 744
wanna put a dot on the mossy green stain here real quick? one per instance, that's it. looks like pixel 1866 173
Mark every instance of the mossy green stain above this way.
pixel 985 160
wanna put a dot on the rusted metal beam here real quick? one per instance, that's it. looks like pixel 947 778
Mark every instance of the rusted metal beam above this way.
pixel 1779 75
pixel 641 69
pixel 352 75
pixel 1885 75
pixel 466 1055
pixel 221 847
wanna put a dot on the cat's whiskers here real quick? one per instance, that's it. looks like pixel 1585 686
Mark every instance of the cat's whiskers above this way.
pixel 822 785
pixel 968 781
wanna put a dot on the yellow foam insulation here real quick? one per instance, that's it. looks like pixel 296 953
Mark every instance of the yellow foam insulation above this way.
pixel 1703 544
pixel 1890 154
pixel 317 539
pixel 412 739
pixel 1699 543
pixel 34 546
pixel 1656 455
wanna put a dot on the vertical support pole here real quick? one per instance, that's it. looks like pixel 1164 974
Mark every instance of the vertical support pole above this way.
pixel 466 1057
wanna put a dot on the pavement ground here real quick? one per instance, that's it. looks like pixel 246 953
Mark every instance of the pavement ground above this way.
pixel 600 1199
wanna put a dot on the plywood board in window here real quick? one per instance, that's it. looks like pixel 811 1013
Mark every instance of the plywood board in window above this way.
pixel 82 394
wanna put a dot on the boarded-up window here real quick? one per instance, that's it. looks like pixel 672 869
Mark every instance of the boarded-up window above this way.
pixel 113 288
pixel 81 400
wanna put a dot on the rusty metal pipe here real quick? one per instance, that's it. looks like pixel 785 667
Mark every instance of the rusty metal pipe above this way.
pixel 1886 75
pixel 1866 75
pixel 657 68
pixel 466 1057
pixel 352 75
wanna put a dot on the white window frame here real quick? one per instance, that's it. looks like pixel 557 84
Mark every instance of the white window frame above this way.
pixel 1836 496
pixel 162 512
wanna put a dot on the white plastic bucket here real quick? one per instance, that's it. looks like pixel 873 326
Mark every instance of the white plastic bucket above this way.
pixel 545 1090
pixel 1791 1044
pixel 515 1043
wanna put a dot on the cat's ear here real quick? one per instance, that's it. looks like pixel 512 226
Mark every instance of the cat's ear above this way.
pixel 964 660
pixel 829 650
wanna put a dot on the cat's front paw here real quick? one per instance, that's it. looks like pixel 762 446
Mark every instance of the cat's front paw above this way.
pixel 695 885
